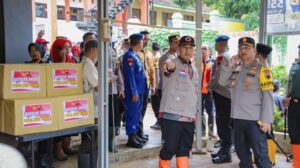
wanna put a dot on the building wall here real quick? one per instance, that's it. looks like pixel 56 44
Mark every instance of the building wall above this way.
pixel 64 28
pixel 17 30
pixel 2 45
pixel 159 10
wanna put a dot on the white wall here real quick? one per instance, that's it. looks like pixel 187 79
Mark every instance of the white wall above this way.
pixel 67 29
pixel 292 50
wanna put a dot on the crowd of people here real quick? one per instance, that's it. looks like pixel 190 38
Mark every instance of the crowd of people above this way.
pixel 237 92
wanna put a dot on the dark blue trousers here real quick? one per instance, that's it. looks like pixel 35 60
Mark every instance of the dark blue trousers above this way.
pixel 248 135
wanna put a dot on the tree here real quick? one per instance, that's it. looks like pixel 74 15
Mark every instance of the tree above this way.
pixel 247 10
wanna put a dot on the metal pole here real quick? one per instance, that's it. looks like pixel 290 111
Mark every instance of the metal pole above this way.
pixel 102 159
pixel 199 64
pixel 263 21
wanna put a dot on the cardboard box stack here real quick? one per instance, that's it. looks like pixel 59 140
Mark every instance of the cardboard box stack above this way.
pixel 41 98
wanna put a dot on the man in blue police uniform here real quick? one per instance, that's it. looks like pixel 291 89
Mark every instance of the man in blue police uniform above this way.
pixel 135 87
pixel 222 99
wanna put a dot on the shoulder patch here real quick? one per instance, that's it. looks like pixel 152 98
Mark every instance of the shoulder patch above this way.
pixel 266 79
pixel 130 61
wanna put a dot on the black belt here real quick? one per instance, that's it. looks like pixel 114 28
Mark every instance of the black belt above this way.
pixel 295 100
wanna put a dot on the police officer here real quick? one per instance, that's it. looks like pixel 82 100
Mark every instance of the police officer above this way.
pixel 178 106
pixel 221 95
pixel 156 97
pixel 262 53
pixel 147 59
pixel 293 102
pixel 252 101
pixel 135 87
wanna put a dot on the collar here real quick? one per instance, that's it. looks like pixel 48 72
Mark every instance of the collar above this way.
pixel 183 61
pixel 88 60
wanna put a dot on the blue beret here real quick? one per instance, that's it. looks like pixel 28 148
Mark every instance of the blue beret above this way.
pixel 136 36
pixel 222 38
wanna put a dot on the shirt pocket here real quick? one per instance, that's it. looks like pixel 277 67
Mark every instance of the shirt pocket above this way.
pixel 178 102
pixel 181 84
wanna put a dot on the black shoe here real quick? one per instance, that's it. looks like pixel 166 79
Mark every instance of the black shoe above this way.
pixel 218 153
pixel 143 136
pixel 217 144
pixel 225 158
pixel 140 140
pixel 132 142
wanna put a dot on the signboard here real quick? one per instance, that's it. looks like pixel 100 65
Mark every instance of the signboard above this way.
pixel 283 16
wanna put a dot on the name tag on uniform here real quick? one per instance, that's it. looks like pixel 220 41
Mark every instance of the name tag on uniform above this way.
pixel 266 79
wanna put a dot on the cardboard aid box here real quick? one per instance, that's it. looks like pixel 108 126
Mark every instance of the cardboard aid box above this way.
pixel 22 81
pixel 75 111
pixel 64 79
pixel 29 116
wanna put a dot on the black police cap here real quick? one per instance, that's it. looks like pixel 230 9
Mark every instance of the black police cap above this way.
pixel 263 49
pixel 186 40
pixel 155 46
pixel 248 41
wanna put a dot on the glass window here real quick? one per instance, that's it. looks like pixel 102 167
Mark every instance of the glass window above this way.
pixel 166 18
pixel 136 13
pixel 188 18
pixel 41 10
pixel 76 14
pixel 61 12
pixel 152 17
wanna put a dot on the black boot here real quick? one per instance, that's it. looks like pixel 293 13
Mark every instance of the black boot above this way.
pixel 140 140
pixel 132 142
pixel 140 133
pixel 218 153
pixel 224 157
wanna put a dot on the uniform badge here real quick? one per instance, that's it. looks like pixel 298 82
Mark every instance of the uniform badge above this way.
pixel 267 74
pixel 219 60
pixel 248 83
pixel 182 73
pixel 130 61
pixel 266 79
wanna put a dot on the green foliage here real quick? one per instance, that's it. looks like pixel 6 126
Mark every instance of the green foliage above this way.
pixel 278 124
pixel 280 44
pixel 161 36
pixel 247 10
pixel 185 3
pixel 280 73
pixel 209 36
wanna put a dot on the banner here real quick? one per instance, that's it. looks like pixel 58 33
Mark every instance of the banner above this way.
pixel 283 16
pixel 65 78
pixel 25 81
pixel 76 110
pixel 37 115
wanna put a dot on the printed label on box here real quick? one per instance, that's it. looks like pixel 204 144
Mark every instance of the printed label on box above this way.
pixel 25 81
pixel 65 78
pixel 76 110
pixel 37 115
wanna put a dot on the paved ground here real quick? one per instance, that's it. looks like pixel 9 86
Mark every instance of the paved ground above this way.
pixel 152 149
pixel 203 161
